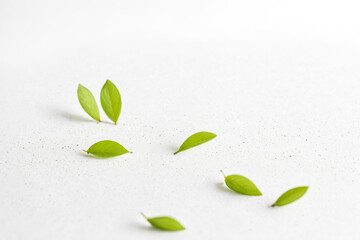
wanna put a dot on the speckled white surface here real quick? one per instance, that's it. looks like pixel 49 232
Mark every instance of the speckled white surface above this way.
pixel 278 81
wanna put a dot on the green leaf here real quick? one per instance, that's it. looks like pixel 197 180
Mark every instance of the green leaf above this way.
pixel 88 102
pixel 165 223
pixel 107 149
pixel 241 184
pixel 195 140
pixel 111 101
pixel 290 196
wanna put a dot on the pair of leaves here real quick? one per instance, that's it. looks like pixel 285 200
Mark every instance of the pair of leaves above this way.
pixel 107 149
pixel 195 140
pixel 165 223
pixel 243 185
pixel 110 101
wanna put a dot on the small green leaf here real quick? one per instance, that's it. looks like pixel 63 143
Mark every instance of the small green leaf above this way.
pixel 107 149
pixel 111 101
pixel 165 223
pixel 88 102
pixel 241 185
pixel 290 196
pixel 195 140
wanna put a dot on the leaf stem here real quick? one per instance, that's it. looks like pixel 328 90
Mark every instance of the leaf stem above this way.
pixel 142 214
pixel 223 173
pixel 85 151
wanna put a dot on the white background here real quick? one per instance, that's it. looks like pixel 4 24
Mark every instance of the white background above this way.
pixel 277 80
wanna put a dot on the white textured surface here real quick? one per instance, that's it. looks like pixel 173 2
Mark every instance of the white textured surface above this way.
pixel 278 81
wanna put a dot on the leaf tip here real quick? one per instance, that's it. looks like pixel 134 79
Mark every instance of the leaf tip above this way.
pixel 176 152
pixel 306 188
pixel 273 205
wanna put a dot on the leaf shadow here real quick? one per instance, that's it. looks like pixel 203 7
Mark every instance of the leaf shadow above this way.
pixel 144 227
pixel 172 148
pixel 91 156
pixel 148 228
pixel 75 117
pixel 221 186
pixel 70 116
pixel 84 154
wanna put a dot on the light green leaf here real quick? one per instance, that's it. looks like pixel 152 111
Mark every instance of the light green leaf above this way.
pixel 290 196
pixel 107 149
pixel 195 140
pixel 241 184
pixel 111 101
pixel 165 223
pixel 88 102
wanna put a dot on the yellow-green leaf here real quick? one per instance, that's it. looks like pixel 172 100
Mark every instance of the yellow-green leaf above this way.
pixel 195 140
pixel 107 149
pixel 88 103
pixel 291 196
pixel 242 185
pixel 165 223
pixel 111 101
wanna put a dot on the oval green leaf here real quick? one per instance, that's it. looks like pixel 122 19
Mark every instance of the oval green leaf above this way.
pixel 111 101
pixel 88 103
pixel 242 185
pixel 107 149
pixel 165 223
pixel 195 140
pixel 290 196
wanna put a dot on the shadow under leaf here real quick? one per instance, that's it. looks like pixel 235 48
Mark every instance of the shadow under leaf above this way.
pixel 221 186
pixel 77 118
